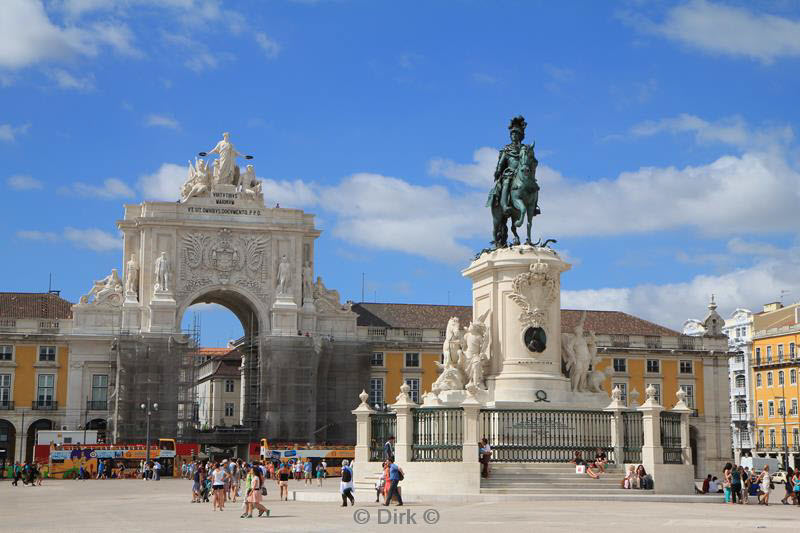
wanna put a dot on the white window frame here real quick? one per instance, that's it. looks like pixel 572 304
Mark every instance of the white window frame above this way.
pixel 232 385
pixel 793 377
pixel 373 399
pixel 781 377
pixel 771 409
pixel 39 353
pixel 647 367
pixel 383 360
pixel 689 389
pixel 414 384
pixel 10 354
pixel 40 375
pixel 760 410
pixel 419 360
pixel 230 409
pixel 691 367
pixel 759 380
pixel 624 365
pixel 99 387
pixel 10 386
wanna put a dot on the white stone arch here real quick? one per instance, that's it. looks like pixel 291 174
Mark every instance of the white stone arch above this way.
pixel 236 299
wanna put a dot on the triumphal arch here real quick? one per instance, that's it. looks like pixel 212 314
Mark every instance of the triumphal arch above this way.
pixel 219 243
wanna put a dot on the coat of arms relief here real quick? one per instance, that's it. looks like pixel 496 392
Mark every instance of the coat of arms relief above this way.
pixel 222 258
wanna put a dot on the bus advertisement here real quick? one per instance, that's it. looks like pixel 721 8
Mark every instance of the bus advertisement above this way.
pixel 65 461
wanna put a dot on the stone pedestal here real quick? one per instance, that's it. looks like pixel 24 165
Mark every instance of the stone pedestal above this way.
pixel 521 287
pixel 131 315
pixel 284 316
pixel 163 311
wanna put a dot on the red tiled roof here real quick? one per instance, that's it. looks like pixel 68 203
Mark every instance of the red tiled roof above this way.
pixel 34 305
pixel 424 316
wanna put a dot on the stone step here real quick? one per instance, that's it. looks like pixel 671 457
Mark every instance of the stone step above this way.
pixel 575 485
pixel 564 491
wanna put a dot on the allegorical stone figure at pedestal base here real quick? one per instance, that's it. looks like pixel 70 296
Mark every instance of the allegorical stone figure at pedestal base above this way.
pixel 515 195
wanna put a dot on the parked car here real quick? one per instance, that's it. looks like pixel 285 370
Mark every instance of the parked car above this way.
pixel 778 477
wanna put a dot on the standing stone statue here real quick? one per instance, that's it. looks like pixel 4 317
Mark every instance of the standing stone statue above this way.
pixel 515 195
pixel 132 278
pixel 284 276
pixel 161 273
pixel 227 160
pixel 308 283
pixel 579 354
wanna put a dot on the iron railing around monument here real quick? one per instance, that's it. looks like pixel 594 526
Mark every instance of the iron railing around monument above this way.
pixel 671 438
pixel 543 435
pixel 383 426
pixel 438 434
pixel 633 437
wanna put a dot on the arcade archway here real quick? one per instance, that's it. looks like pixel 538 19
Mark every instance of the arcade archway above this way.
pixel 41 424
pixel 100 425
pixel 8 440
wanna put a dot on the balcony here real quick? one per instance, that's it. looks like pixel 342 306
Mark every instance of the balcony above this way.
pixel 741 417
pixel 6 405
pixel 49 326
pixel 96 405
pixel 736 364
pixel 44 405
pixel 739 391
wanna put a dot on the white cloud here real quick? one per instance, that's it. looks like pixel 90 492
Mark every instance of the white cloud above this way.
pixel 670 304
pixel 163 184
pixel 162 121
pixel 93 239
pixel 65 80
pixel 727 30
pixel 22 182
pixel 33 235
pixel 270 47
pixel 479 173
pixel 28 36
pixel 111 188
pixel 287 193
pixel 9 133
pixel 732 130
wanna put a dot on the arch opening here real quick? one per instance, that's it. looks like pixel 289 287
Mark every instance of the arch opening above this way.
pixel 43 424
pixel 8 440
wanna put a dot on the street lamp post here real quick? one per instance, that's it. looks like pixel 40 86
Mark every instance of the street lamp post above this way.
pixel 785 435
pixel 148 408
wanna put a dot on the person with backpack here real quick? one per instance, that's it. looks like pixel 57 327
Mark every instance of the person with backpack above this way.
pixel 396 475
pixel 346 486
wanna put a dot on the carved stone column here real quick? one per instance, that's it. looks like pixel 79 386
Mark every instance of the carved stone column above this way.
pixel 652 452
pixel 363 429
pixel 405 425
pixel 616 407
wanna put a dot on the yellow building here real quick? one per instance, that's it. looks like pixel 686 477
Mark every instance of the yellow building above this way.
pixel 407 342
pixel 34 363
pixel 776 391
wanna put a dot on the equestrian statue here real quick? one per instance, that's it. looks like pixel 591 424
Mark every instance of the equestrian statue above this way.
pixel 515 194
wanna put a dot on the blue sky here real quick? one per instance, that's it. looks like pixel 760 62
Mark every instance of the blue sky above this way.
pixel 666 135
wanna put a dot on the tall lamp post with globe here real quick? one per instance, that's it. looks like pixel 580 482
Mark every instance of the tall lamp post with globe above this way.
pixel 149 409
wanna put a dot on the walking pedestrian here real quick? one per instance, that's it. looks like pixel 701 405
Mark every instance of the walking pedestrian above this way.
pixel 789 486
pixel 255 494
pixel 196 485
pixel 380 484
pixel 765 486
pixel 307 470
pixel 396 475
pixel 485 456
pixel 388 448
pixel 736 484
pixel 346 486
pixel 319 475
pixel 283 482
pixel 218 487
pixel 157 470
pixel 796 486
pixel 726 481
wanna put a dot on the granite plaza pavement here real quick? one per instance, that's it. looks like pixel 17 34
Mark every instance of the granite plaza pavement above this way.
pixel 136 505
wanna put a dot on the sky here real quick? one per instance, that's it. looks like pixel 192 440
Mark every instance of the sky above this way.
pixel 666 134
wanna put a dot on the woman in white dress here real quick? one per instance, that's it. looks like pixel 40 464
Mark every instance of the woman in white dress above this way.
pixel 765 483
